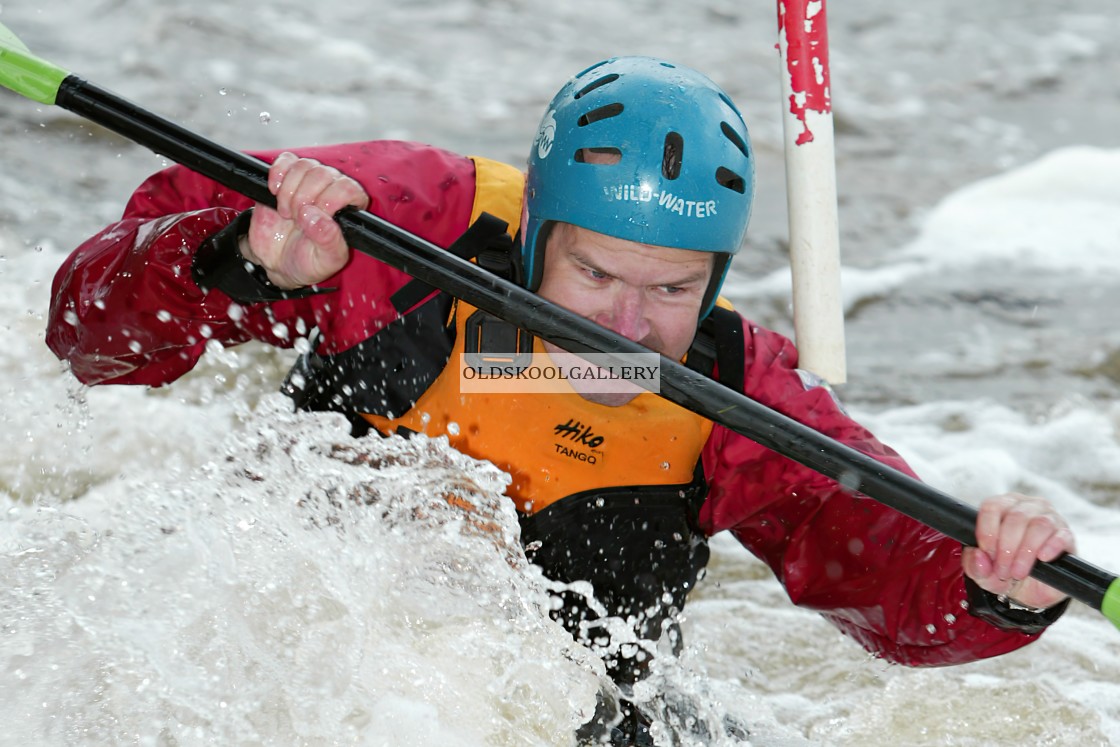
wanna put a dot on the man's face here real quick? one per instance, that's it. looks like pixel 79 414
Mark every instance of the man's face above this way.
pixel 649 294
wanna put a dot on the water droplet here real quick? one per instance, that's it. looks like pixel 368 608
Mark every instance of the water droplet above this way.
pixel 163 315
pixel 665 465
pixel 222 91
pixel 850 480
pixel 265 117
pixel 453 428
pixel 70 317
pixel 135 346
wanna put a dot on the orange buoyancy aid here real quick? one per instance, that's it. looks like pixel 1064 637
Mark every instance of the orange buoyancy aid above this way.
pixel 560 444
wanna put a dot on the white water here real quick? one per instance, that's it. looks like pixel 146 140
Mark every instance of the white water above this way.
pixel 196 565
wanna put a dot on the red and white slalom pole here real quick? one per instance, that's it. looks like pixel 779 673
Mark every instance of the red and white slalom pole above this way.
pixel 818 309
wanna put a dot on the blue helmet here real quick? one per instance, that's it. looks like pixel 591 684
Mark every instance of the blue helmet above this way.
pixel 644 150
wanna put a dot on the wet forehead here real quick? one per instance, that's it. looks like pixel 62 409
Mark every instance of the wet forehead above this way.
pixel 613 255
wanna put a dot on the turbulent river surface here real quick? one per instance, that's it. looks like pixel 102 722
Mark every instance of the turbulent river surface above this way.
pixel 198 565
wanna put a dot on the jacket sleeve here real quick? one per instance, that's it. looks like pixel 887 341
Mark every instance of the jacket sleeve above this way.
pixel 125 310
pixel 894 585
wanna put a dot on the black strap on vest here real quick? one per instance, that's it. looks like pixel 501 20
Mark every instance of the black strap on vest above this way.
pixel 717 350
pixel 486 242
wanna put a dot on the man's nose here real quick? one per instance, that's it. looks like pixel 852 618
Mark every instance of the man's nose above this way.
pixel 627 315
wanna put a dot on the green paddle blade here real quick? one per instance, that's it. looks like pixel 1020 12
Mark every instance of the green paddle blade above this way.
pixel 26 74
pixel 1111 605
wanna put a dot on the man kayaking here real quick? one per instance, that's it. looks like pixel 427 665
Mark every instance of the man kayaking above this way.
pixel 637 196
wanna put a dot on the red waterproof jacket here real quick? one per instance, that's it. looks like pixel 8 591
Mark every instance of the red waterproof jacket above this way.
pixel 125 311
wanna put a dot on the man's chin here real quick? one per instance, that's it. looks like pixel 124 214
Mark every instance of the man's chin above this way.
pixel 600 388
pixel 611 399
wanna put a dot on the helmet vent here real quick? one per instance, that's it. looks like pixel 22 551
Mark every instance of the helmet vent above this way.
pixel 599 156
pixel 736 140
pixel 603 112
pixel 595 84
pixel 672 155
pixel 728 178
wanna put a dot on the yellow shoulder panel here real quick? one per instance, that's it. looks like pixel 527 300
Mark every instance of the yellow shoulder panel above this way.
pixel 499 189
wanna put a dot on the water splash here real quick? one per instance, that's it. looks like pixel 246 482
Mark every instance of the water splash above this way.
pixel 304 587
